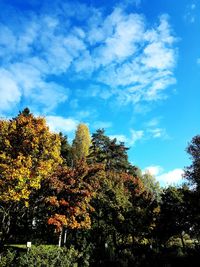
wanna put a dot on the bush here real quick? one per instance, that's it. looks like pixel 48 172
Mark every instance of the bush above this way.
pixel 44 256
pixel 7 258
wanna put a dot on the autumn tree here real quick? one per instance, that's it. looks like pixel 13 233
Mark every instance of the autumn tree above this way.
pixel 29 152
pixel 124 215
pixel 65 197
pixel 81 142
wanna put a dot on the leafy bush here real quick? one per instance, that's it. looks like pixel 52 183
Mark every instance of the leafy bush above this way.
pixel 7 258
pixel 44 256
pixel 50 256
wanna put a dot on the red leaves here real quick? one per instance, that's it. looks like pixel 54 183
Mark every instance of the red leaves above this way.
pixel 69 194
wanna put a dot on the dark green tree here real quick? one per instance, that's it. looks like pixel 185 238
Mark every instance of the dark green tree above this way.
pixel 192 173
pixel 174 215
pixel 109 152
pixel 66 150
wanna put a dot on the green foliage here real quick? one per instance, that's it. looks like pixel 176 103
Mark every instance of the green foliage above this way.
pixel 66 150
pixel 106 211
pixel 7 258
pixel 173 218
pixel 192 173
pixel 151 185
pixel 44 256
pixel 50 256
pixel 108 151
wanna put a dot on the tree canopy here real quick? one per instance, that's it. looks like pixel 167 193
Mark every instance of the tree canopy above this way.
pixel 88 194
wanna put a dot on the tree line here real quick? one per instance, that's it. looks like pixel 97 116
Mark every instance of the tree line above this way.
pixel 87 194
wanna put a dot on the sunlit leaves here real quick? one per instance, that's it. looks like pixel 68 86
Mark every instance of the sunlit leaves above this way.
pixel 29 152
pixel 81 142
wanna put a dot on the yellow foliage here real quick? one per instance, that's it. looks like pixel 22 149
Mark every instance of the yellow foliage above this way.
pixel 29 152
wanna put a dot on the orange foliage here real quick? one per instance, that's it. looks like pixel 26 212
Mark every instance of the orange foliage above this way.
pixel 70 192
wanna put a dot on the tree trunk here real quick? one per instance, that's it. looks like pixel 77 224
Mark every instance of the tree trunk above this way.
pixel 182 241
pixel 60 238
pixel 5 227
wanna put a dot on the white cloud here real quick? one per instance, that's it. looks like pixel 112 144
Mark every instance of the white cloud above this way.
pixel 9 91
pixel 49 95
pixel 135 136
pixel 157 133
pixel 125 31
pixel 153 170
pixel 173 177
pixel 158 56
pixel 120 138
pixel 60 124
pixel 118 55
pixel 149 68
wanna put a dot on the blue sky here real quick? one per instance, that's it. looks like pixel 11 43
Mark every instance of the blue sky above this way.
pixel 131 67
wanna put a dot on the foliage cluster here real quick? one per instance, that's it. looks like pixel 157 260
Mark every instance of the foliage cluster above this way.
pixel 88 198
pixel 41 256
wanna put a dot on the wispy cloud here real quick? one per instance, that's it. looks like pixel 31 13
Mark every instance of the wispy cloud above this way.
pixel 158 133
pixel 117 55
pixel 136 135
pixel 142 134
pixel 103 125
pixel 190 13
pixel 12 94
pixel 153 122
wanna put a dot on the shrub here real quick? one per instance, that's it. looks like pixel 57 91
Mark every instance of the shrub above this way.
pixel 49 256
pixel 44 256
pixel 7 258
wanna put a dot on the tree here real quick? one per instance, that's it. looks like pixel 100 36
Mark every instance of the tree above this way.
pixel 174 215
pixel 81 142
pixel 124 215
pixel 66 150
pixel 29 152
pixel 67 195
pixel 192 173
pixel 108 151
pixel 151 185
